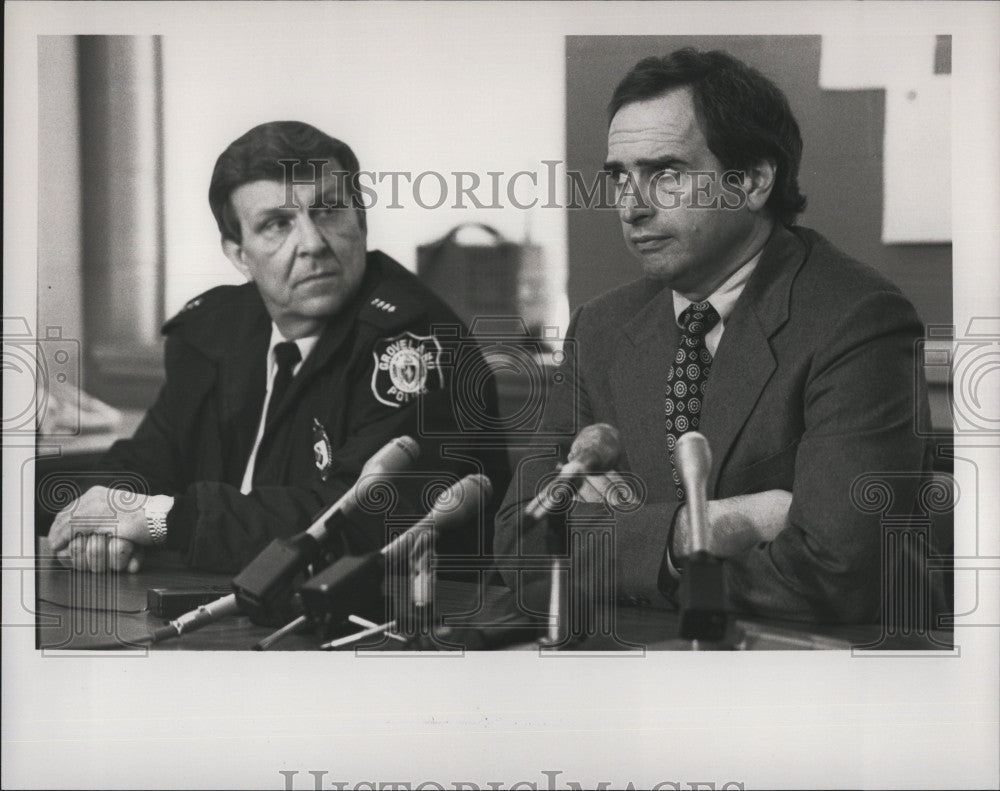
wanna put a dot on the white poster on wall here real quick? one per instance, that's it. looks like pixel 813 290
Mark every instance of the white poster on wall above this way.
pixel 915 73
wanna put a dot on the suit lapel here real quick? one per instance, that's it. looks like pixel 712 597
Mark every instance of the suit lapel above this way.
pixel 744 361
pixel 742 366
pixel 639 381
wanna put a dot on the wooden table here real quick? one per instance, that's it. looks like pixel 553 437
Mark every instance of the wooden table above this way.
pixel 84 611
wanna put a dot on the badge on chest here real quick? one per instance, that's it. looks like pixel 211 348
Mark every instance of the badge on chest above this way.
pixel 322 450
pixel 406 366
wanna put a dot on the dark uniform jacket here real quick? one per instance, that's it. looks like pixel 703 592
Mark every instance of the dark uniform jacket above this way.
pixel 358 389
pixel 814 389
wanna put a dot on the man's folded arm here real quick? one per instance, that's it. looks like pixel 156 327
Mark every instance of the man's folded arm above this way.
pixel 219 528
pixel 737 523
pixel 860 403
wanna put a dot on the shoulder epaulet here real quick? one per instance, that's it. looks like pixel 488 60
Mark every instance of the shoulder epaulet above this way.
pixel 400 298
pixel 385 310
pixel 395 302
pixel 201 303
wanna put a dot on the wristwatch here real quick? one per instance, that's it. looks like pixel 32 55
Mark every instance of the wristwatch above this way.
pixel 157 524
pixel 157 508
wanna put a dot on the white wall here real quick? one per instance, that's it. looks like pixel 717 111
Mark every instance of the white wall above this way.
pixel 407 93
pixel 60 297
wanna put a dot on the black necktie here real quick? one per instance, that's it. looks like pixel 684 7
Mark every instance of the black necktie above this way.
pixel 687 379
pixel 287 355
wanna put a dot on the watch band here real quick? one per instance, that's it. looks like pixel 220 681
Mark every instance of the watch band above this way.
pixel 157 524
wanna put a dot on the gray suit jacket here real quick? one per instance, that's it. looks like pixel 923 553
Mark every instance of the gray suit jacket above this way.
pixel 814 385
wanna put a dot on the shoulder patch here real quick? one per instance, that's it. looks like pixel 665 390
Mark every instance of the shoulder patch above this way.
pixel 406 367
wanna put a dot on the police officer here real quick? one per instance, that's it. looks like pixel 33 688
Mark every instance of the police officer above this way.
pixel 279 390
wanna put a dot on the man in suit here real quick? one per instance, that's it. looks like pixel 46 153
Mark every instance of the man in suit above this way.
pixel 278 391
pixel 795 362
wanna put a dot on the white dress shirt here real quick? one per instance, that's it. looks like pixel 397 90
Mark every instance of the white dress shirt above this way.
pixel 723 299
pixel 305 347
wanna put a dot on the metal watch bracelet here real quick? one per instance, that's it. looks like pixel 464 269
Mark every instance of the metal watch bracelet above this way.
pixel 157 524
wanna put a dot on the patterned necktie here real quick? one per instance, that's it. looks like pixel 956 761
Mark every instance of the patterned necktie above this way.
pixel 287 355
pixel 687 378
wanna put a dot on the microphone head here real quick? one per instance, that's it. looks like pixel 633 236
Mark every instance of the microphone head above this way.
pixel 396 455
pixel 693 458
pixel 457 504
pixel 463 498
pixel 596 447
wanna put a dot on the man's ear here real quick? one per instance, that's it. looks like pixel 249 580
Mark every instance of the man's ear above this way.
pixel 234 252
pixel 758 182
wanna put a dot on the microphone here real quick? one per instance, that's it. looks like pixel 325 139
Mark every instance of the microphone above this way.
pixel 458 503
pixel 262 589
pixel 354 584
pixel 197 618
pixel 702 590
pixel 395 456
pixel 693 458
pixel 596 447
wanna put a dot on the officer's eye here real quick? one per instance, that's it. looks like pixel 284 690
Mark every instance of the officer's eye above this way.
pixel 625 183
pixel 276 225
pixel 668 178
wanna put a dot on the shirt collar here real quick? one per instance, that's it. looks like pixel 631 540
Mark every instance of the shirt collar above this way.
pixel 305 344
pixel 724 298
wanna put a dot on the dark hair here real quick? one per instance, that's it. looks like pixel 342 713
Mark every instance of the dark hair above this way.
pixel 257 155
pixel 744 116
